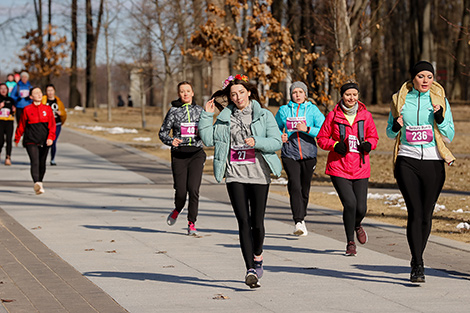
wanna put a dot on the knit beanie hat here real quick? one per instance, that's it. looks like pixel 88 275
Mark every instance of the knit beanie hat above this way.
pixel 421 66
pixel 348 86
pixel 298 85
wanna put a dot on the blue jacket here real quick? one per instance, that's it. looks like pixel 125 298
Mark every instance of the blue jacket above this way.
pixel 264 130
pixel 21 102
pixel 300 145
pixel 418 111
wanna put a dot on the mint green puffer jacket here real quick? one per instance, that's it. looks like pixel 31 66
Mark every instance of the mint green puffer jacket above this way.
pixel 263 127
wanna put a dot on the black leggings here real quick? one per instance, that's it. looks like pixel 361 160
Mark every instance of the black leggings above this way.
pixel 249 205
pixel 353 196
pixel 37 156
pixel 6 134
pixel 299 175
pixel 420 183
pixel 54 144
pixel 187 175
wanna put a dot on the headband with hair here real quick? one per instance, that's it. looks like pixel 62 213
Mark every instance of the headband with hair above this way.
pixel 231 79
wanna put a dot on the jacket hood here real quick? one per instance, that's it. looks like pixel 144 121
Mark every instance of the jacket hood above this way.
pixel 178 103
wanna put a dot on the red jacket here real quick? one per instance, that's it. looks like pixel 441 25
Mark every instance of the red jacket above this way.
pixel 37 123
pixel 350 166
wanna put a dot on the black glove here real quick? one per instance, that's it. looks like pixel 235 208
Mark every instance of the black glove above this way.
pixel 438 116
pixel 396 126
pixel 340 148
pixel 366 146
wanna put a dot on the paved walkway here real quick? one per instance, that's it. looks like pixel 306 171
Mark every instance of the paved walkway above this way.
pixel 97 241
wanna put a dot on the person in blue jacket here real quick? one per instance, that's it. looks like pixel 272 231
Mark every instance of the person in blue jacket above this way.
pixel 245 139
pixel 20 94
pixel 299 122
pixel 421 122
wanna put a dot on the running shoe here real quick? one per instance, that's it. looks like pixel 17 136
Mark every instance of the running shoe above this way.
pixel 53 163
pixel 417 274
pixel 251 279
pixel 361 235
pixel 171 219
pixel 7 160
pixel 351 249
pixel 300 229
pixel 38 188
pixel 192 231
pixel 259 268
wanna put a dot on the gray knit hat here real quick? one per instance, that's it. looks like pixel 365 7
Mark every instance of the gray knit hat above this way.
pixel 298 85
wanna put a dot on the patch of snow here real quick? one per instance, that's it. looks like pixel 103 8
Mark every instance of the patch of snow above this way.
pixel 210 157
pixel 279 181
pixel 464 226
pixel 145 139
pixel 439 207
pixel 114 130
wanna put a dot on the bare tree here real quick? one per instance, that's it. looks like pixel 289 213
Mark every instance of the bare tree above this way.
pixel 74 94
pixel 460 50
pixel 92 35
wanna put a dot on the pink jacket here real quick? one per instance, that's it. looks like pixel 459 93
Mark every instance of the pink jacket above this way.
pixel 351 165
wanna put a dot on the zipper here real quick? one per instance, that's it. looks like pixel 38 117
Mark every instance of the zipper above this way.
pixel 417 119
pixel 298 136
pixel 189 119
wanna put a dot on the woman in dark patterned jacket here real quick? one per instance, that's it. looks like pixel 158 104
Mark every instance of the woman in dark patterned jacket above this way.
pixel 187 154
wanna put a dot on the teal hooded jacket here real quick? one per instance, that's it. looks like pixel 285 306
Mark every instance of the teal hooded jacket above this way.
pixel 263 127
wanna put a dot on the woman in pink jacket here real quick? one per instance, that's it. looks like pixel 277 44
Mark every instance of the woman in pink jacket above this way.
pixel 349 134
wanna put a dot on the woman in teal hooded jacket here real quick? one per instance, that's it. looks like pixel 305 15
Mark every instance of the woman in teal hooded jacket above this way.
pixel 245 139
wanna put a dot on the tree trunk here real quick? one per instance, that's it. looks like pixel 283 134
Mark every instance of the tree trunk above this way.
pixel 428 38
pixel 459 61
pixel 108 66
pixel 92 35
pixel 198 65
pixel 220 64
pixel 38 10
pixel 74 94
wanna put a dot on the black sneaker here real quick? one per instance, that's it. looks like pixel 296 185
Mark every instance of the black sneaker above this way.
pixel 251 279
pixel 417 274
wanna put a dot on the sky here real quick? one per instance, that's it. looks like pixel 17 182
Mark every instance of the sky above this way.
pixel 10 35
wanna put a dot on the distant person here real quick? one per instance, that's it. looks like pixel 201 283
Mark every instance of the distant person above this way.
pixel 129 101
pixel 10 83
pixel 60 115
pixel 299 122
pixel 187 153
pixel 17 77
pixel 349 133
pixel 37 123
pixel 20 94
pixel 120 102
pixel 421 121
pixel 7 109
pixel 245 138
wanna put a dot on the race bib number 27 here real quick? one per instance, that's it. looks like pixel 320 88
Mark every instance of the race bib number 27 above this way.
pixel 242 155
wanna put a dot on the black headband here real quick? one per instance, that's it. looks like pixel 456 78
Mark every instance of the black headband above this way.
pixel 421 66
pixel 348 86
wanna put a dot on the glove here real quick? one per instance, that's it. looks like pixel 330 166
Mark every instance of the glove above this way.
pixel 438 116
pixel 396 126
pixel 366 146
pixel 340 147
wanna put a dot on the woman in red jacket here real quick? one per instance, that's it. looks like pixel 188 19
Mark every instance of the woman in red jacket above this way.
pixel 349 134
pixel 38 126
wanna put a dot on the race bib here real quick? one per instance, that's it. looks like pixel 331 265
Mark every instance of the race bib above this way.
pixel 242 155
pixel 188 129
pixel 419 135
pixel 24 93
pixel 5 112
pixel 353 144
pixel 291 123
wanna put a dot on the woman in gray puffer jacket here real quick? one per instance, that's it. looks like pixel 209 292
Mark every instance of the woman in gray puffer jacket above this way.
pixel 187 154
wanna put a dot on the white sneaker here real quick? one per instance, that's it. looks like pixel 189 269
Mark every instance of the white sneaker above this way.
pixel 300 229
pixel 38 188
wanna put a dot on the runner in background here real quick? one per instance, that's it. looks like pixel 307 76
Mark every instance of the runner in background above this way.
pixel 10 83
pixel 245 138
pixel 301 120
pixel 349 134
pixel 60 115
pixel 421 122
pixel 20 94
pixel 38 126
pixel 187 153
pixel 7 109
